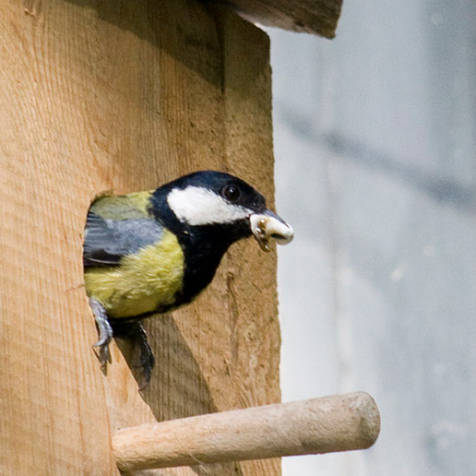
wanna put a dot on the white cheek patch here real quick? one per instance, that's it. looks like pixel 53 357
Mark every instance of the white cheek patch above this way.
pixel 199 206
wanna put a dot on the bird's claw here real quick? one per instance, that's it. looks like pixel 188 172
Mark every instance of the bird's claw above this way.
pixel 147 359
pixel 101 347
pixel 102 352
pixel 135 332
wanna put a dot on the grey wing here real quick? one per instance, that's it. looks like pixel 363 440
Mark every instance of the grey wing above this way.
pixel 107 241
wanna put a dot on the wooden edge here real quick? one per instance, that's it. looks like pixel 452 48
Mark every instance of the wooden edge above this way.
pixel 308 16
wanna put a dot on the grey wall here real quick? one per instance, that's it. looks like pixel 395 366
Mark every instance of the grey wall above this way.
pixel 375 140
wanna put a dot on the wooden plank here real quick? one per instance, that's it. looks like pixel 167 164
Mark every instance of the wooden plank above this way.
pixel 248 95
pixel 117 95
pixel 310 16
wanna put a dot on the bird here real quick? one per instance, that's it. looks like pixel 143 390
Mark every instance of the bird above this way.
pixel 150 252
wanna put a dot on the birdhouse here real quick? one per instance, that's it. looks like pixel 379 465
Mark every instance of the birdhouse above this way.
pixel 104 97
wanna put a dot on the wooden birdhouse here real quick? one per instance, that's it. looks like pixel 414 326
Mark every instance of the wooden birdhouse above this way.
pixel 118 96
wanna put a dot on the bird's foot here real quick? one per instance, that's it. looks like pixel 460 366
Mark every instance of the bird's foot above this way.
pixel 134 330
pixel 147 359
pixel 101 347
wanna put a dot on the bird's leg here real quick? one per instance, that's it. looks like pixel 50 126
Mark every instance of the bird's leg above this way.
pixel 147 359
pixel 104 329
pixel 134 330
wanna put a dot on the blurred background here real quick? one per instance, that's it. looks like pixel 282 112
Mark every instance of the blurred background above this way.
pixel 375 145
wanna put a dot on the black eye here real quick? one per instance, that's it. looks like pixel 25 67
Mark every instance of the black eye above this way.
pixel 231 193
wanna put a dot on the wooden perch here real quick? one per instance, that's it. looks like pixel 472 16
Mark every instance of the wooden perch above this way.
pixel 320 425
pixel 310 16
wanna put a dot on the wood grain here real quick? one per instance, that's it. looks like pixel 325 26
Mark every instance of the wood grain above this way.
pixel 101 95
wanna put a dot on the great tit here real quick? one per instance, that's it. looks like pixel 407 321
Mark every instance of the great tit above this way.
pixel 150 252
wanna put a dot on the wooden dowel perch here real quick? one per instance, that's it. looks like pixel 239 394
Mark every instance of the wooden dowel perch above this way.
pixel 320 425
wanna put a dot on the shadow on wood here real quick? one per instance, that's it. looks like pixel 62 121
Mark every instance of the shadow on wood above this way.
pixel 156 22
pixel 184 396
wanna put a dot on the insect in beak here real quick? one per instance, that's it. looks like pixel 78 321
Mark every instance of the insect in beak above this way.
pixel 268 225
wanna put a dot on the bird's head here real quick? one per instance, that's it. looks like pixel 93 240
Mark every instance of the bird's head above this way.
pixel 218 201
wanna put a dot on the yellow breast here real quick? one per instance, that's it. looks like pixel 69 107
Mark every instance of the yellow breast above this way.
pixel 142 282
